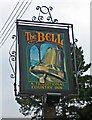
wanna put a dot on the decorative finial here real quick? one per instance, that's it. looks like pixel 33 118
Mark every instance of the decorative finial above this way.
pixel 44 10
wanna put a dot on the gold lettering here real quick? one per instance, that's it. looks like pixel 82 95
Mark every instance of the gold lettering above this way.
pixel 59 41
pixel 58 38
pixel 40 36
pixel 53 38
pixel 58 87
pixel 48 37
pixel 27 35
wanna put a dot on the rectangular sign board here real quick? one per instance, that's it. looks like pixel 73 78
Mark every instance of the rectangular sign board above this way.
pixel 44 60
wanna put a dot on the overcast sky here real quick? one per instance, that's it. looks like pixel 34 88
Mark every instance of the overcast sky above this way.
pixel 76 12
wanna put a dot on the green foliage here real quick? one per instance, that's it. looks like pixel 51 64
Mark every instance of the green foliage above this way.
pixel 78 107
pixel 30 106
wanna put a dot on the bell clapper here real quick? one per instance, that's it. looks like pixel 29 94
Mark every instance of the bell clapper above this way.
pixel 42 79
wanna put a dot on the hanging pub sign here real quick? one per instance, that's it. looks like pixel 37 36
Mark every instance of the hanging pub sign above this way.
pixel 44 59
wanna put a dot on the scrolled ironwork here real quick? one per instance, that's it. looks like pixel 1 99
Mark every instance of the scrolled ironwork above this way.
pixel 12 57
pixel 38 7
pixel 34 18
pixel 55 20
pixel 40 18
pixel 43 11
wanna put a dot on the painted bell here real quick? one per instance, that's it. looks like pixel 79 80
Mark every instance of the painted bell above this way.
pixel 51 67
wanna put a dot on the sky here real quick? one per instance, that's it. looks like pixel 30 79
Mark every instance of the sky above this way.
pixel 76 12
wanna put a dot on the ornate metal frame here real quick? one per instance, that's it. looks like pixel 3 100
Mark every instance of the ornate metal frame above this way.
pixel 40 19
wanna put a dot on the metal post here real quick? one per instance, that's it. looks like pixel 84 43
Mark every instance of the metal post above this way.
pixel 49 101
pixel 74 47
pixel 49 112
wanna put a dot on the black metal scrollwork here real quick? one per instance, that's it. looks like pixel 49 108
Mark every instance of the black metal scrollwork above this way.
pixel 44 10
pixel 12 57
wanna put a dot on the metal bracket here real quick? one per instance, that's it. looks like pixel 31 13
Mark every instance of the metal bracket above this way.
pixel 12 58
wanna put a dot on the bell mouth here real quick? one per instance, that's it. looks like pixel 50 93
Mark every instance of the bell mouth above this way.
pixel 57 74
